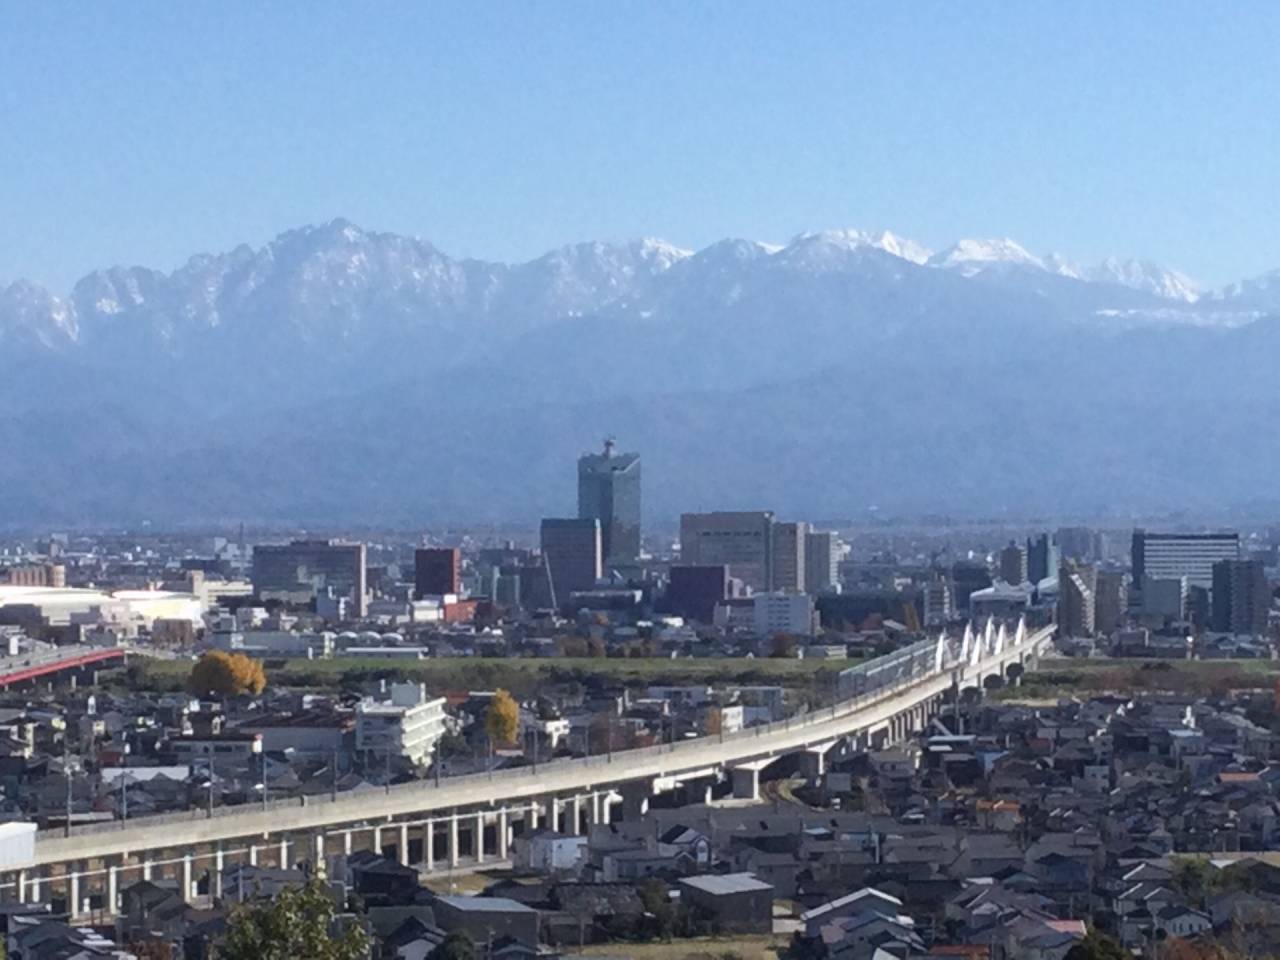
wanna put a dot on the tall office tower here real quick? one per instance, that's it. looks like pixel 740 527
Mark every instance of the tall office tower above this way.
pixel 1013 563
pixel 741 540
pixel 1241 597
pixel 573 556
pixel 968 577
pixel 609 491
pixel 303 569
pixel 936 597
pixel 821 561
pixel 789 541
pixel 1077 593
pixel 1042 558
pixel 1173 556
pixel 1111 601
pixel 436 571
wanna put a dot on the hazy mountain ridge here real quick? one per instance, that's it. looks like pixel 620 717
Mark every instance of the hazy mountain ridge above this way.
pixel 338 281
pixel 337 374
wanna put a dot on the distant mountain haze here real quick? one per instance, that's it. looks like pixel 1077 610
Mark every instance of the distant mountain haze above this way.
pixel 342 376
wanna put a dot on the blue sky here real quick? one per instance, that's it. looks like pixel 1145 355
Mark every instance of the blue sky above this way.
pixel 144 132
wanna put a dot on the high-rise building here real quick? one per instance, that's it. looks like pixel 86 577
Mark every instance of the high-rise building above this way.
pixel 1172 556
pixel 301 570
pixel 936 599
pixel 741 540
pixel 437 571
pixel 1241 597
pixel 694 591
pixel 609 491
pixel 1043 555
pixel 1013 563
pixel 1111 601
pixel 1077 593
pixel 789 541
pixel 572 554
pixel 821 561
pixel 968 577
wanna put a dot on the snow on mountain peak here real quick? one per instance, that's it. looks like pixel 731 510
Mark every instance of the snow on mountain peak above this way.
pixel 1063 267
pixel 1147 276
pixel 972 256
pixel 659 252
pixel 855 240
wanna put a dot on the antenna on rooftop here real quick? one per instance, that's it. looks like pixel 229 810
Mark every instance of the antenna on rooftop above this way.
pixel 609 444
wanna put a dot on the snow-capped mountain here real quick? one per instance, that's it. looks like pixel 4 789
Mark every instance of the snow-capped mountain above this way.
pixel 970 257
pixel 1063 267
pixel 855 240
pixel 1146 276
pixel 337 283
pixel 30 315
pixel 337 369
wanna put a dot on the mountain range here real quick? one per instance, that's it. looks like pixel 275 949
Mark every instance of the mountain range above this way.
pixel 337 375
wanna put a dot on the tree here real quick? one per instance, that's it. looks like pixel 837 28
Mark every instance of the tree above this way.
pixel 502 722
pixel 226 674
pixel 1098 946
pixel 299 923
pixel 659 915
pixel 456 946
pixel 1192 877
pixel 782 646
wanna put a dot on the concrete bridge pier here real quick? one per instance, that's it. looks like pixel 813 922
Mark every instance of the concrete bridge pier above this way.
pixel 73 892
pixel 402 846
pixel 746 783
pixel 112 902
pixel 219 858
pixel 477 844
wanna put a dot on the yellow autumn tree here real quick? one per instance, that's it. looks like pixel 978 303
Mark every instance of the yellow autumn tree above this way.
pixel 226 674
pixel 502 722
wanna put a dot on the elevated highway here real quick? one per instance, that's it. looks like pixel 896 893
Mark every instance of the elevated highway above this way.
pixel 59 660
pixel 426 823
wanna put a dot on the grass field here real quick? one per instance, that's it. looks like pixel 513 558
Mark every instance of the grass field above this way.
pixel 1064 676
pixel 520 675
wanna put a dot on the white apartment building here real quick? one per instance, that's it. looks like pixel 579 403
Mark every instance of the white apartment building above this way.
pixel 406 725
pixel 776 613
pixel 1173 556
